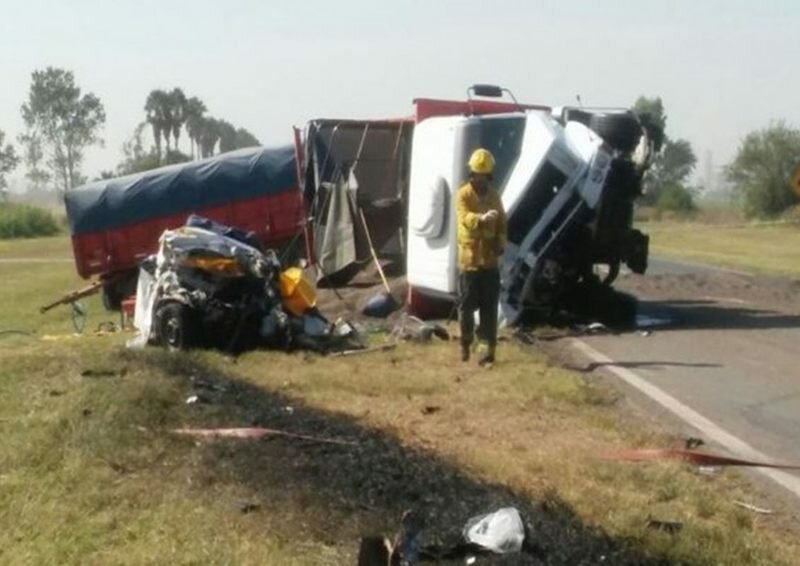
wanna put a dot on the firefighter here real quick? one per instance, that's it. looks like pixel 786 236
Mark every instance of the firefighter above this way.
pixel 481 239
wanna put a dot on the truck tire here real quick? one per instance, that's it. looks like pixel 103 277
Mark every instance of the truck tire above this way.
pixel 622 131
pixel 118 287
pixel 111 297
pixel 176 326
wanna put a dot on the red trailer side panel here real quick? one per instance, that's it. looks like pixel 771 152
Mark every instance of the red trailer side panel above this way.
pixel 274 219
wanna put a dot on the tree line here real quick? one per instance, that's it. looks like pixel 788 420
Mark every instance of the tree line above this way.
pixel 760 175
pixel 168 113
pixel 61 122
pixel 666 182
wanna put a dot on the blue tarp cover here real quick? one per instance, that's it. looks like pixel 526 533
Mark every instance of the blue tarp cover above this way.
pixel 193 186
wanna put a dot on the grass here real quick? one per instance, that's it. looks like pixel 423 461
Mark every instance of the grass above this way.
pixel 766 248
pixel 90 475
pixel 26 221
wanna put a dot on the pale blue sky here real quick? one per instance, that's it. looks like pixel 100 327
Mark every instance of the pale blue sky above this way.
pixel 723 68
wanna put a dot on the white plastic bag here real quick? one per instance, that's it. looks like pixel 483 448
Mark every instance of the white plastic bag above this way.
pixel 502 532
pixel 143 313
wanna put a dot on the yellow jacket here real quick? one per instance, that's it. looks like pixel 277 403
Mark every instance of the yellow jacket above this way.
pixel 480 243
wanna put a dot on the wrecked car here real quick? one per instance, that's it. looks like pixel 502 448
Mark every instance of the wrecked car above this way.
pixel 210 286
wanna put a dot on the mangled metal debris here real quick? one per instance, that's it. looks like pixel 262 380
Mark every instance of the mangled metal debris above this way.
pixel 208 288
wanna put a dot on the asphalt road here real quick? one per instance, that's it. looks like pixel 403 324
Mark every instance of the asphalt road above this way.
pixel 724 344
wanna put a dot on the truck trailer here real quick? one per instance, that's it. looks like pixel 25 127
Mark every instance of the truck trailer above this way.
pixel 116 223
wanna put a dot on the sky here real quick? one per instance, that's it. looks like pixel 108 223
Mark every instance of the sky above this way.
pixel 722 68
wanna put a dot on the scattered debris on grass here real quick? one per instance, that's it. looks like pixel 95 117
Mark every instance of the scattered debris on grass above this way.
pixel 501 532
pixel 246 507
pixel 709 470
pixel 382 348
pixel 691 456
pixel 753 508
pixel 693 442
pixel 670 527
pixel 252 433
pixel 413 329
pixel 105 372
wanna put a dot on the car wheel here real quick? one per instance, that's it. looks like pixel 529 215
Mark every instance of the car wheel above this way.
pixel 176 327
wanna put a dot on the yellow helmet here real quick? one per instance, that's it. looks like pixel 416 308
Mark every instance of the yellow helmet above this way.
pixel 481 162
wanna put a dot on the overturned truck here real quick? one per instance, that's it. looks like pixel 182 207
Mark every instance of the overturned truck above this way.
pixel 568 178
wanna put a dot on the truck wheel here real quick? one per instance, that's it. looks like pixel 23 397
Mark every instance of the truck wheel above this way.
pixel 427 307
pixel 176 326
pixel 119 288
pixel 622 131
pixel 112 299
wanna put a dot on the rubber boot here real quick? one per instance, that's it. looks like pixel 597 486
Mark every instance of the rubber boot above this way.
pixel 488 358
pixel 465 351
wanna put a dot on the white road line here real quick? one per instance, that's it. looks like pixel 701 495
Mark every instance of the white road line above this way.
pixel 736 446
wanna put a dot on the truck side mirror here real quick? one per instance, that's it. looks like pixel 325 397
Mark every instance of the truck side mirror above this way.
pixel 489 91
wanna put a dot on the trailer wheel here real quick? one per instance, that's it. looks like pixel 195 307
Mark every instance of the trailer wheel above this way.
pixel 119 287
pixel 112 299
pixel 176 326
pixel 622 131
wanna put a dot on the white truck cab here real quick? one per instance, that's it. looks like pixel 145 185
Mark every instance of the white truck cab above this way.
pixel 567 189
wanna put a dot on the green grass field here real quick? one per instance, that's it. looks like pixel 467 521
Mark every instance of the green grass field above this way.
pixel 773 249
pixel 90 474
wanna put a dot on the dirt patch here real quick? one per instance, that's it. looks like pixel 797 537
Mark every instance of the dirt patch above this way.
pixel 349 300
pixel 781 294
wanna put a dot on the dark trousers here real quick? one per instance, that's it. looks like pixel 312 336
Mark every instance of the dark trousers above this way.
pixel 479 290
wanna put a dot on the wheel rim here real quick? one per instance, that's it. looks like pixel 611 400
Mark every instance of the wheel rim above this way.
pixel 172 332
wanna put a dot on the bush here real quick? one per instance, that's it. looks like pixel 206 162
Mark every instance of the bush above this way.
pixel 792 214
pixel 761 171
pixel 25 221
pixel 676 198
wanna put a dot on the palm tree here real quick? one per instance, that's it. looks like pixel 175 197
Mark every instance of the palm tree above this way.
pixel 193 114
pixel 227 136
pixel 245 139
pixel 156 108
pixel 209 136
pixel 152 111
pixel 178 113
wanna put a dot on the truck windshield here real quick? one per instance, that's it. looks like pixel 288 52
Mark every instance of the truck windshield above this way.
pixel 501 136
